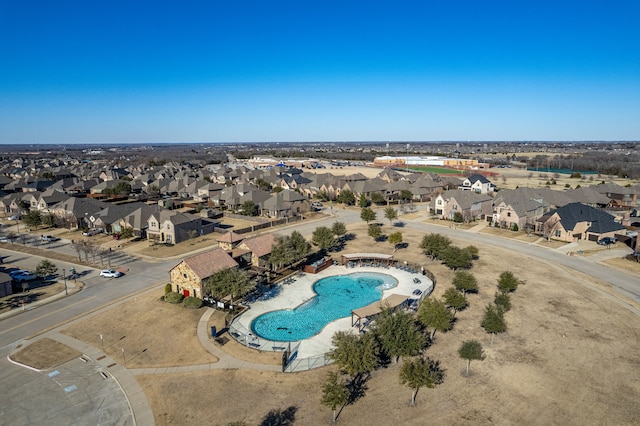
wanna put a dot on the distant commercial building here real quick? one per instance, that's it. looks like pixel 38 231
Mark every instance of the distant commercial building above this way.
pixel 403 161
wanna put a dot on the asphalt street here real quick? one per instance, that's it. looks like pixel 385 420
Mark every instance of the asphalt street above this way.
pixel 37 398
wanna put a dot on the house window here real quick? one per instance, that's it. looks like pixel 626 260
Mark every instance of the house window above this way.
pixel 558 233
pixel 184 275
pixel 168 226
pixel 439 202
pixel 153 224
pixel 455 207
pixel 508 214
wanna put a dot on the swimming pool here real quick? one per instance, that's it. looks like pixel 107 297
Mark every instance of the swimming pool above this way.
pixel 336 297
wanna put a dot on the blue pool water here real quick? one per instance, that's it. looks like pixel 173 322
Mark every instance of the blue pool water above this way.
pixel 336 297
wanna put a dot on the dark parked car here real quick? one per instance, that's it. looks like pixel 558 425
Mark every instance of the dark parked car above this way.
pixel 607 241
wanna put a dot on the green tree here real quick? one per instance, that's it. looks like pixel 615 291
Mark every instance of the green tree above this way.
pixel 375 231
pixel 300 247
pixel 471 350
pixel 420 372
pixel 356 355
pixel 455 300
pixel 122 188
pixel 45 269
pixel 346 197
pixel 493 321
pixel 434 244
pixel 508 283
pixel 367 214
pixel 49 220
pixel 458 218
pixel 339 229
pixel 391 214
pixel 456 258
pixel 398 334
pixel 289 249
pixel 377 198
pixel 502 301
pixel 249 208
pixel 395 239
pixel 473 251
pixel 406 195
pixel 465 282
pixel 228 282
pixel 33 219
pixel 126 232
pixel 323 238
pixel 334 393
pixel 363 201
pixel 433 313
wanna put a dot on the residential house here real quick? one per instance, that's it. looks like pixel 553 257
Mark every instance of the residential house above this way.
pixel 76 212
pixel 620 196
pixel 514 207
pixel 173 227
pixel 285 204
pixel 477 183
pixel 469 204
pixel 187 277
pixel 577 221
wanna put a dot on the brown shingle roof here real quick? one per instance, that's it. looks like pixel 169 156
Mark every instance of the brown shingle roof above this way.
pixel 261 245
pixel 208 263
pixel 230 237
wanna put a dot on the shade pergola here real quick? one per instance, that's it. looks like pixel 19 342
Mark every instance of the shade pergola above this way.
pixel 375 308
pixel 353 257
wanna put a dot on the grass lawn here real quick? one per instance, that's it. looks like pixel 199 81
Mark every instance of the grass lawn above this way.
pixel 437 170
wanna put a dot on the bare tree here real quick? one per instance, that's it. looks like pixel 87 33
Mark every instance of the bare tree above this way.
pixel 550 226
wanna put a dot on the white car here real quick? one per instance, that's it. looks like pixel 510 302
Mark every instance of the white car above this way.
pixel 110 273
pixel 15 217
pixel 90 232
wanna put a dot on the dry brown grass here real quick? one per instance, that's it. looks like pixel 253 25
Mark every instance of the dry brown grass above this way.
pixel 154 333
pixel 44 354
pixel 569 356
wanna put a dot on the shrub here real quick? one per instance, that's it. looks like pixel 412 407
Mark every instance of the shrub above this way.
pixel 515 227
pixel 167 288
pixel 174 298
pixel 458 218
pixel 192 302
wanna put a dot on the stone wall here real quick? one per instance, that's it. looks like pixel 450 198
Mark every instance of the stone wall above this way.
pixel 183 278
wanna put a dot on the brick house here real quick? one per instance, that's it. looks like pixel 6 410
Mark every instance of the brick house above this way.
pixel 187 276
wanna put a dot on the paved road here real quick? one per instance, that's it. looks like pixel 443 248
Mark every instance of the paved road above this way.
pixel 142 275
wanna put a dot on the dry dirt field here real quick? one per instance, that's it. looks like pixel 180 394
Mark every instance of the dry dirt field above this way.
pixel 569 357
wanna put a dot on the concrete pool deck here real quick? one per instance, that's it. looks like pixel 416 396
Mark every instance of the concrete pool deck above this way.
pixel 289 296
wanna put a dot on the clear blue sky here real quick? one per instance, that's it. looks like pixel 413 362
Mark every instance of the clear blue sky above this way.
pixel 210 71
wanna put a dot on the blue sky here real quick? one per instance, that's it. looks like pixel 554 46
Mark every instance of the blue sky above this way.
pixel 211 71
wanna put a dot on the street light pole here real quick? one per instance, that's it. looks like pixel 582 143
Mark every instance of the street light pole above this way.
pixel 64 276
pixel 124 358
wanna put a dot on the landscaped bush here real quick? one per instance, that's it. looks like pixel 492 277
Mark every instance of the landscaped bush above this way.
pixel 192 302
pixel 174 298
pixel 167 288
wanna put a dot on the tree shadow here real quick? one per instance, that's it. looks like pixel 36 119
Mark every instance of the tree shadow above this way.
pixel 357 388
pixel 279 417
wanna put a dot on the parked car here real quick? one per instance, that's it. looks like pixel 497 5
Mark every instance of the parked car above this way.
pixel 110 273
pixel 607 241
pixel 91 232
pixel 24 276
pixel 47 238
pixel 15 217
pixel 17 272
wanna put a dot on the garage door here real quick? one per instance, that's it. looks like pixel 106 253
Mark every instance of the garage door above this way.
pixel 593 237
